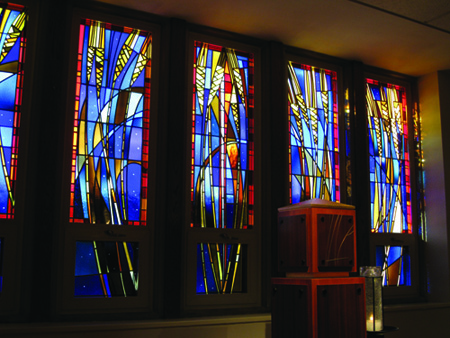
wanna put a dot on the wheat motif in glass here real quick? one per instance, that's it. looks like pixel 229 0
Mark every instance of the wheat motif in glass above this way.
pixel 389 158
pixel 111 125
pixel 222 138
pixel 314 133
pixel 13 19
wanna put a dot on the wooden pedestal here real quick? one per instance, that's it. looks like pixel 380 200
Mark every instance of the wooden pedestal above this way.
pixel 316 238
pixel 318 307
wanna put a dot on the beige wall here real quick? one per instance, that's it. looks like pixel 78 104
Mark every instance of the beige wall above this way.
pixel 434 131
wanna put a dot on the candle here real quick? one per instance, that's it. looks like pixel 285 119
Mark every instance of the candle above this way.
pixel 370 324
pixel 374 298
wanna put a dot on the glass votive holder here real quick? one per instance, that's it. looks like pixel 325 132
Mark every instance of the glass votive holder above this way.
pixel 374 297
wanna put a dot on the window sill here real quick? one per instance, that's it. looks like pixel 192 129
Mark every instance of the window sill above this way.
pixel 415 307
pixel 25 329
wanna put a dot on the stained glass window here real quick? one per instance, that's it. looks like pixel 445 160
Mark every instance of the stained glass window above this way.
pixel 389 158
pixel 222 138
pixel 314 133
pixel 111 125
pixel 13 19
pixel 396 265
pixel 222 160
pixel 106 269
pixel 219 268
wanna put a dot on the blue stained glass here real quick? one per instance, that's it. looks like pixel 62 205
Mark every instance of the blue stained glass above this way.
pixel 376 93
pixel 85 263
pixel 201 287
pixel 314 126
pixel 230 214
pixel 216 172
pixel 8 90
pixel 108 290
pixel 140 80
pixel 214 280
pixel 209 64
pixel 295 161
pixel 243 62
pixel 88 286
pixel 296 190
pixel 80 211
pixel 221 135
pixel 390 172
pixel 127 73
pixel 199 123
pixel 13 54
pixel 98 150
pixel 222 194
pixel 301 78
pixel 244 175
pixel 215 139
pixel 243 122
pixel 135 144
pixel 106 269
pixel 396 265
pixel 330 138
pixel 13 20
pixel 230 191
pixel 3 193
pixel 133 188
pixel 394 255
pixel 114 68
pixel 127 140
pixel 6 117
pixel 209 274
pixel 246 78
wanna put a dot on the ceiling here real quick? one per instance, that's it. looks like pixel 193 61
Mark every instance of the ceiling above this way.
pixel 407 36
pixel 434 13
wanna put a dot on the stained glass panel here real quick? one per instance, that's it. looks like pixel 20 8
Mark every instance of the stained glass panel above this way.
pixel 220 268
pixel 106 269
pixel 222 138
pixel 396 265
pixel 314 133
pixel 13 19
pixel 389 158
pixel 111 125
